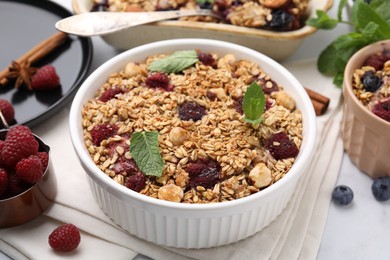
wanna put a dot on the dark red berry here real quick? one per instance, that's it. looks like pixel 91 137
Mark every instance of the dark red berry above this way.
pixel 44 157
pixel 238 104
pixel 103 132
pixel 268 104
pixel 65 238
pixel 371 82
pixel 211 95
pixel 45 78
pixel 382 109
pixel 203 172
pixel 191 111
pixel 136 182
pixel 16 186
pixel 207 59
pixel 377 60
pixel 125 166
pixel 3 181
pixel 29 169
pixel 268 86
pixel 7 110
pixel 111 93
pixel 159 80
pixel 280 146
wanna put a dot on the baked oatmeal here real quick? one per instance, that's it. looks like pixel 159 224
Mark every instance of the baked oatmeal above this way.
pixel 275 15
pixel 209 152
pixel 371 84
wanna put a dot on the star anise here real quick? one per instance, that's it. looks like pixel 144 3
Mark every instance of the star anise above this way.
pixel 22 72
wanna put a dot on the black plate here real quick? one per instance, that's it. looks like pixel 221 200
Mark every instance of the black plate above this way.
pixel 23 24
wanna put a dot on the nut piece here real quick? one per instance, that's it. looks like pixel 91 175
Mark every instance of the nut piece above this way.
pixel 226 61
pixel 170 192
pixel 178 135
pixel 219 92
pixel 284 99
pixel 260 176
pixel 273 3
pixel 133 69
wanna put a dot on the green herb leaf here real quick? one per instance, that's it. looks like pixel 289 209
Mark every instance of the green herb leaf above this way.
pixel 202 2
pixel 253 104
pixel 145 152
pixel 175 62
pixel 322 21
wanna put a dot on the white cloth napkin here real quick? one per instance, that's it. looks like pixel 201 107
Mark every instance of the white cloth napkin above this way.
pixel 295 234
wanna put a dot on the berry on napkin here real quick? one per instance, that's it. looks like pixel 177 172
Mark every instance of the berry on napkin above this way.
pixel 65 238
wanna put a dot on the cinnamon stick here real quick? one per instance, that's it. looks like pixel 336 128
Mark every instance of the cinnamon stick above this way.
pixel 37 52
pixel 320 102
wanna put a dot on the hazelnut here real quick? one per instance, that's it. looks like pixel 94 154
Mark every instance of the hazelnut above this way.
pixel 170 192
pixel 273 3
pixel 219 92
pixel 284 99
pixel 260 176
pixel 133 69
pixel 226 61
pixel 178 135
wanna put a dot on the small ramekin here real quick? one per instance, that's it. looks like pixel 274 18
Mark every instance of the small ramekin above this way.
pixel 366 136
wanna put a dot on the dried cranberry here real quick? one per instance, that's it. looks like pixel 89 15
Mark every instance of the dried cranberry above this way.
pixel 136 182
pixel 382 109
pixel 268 86
pixel 268 104
pixel 125 166
pixel 280 146
pixel 207 59
pixel 159 80
pixel 238 104
pixel 102 132
pixel 371 82
pixel 191 110
pixel 203 172
pixel 111 93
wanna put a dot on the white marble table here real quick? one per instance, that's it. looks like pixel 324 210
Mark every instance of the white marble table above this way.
pixel 359 231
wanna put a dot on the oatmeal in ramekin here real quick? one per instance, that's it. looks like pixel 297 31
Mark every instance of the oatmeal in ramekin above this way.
pixel 209 150
pixel 371 84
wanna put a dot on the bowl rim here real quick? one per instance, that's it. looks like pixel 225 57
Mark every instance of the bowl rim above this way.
pixel 233 29
pixel 84 157
pixel 352 65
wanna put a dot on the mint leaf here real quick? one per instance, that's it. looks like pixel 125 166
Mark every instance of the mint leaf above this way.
pixel 322 21
pixel 382 8
pixel 145 152
pixel 203 2
pixel 175 62
pixel 253 104
pixel 340 8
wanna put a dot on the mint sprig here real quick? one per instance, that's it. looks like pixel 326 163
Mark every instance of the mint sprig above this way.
pixel 371 24
pixel 145 152
pixel 174 63
pixel 253 104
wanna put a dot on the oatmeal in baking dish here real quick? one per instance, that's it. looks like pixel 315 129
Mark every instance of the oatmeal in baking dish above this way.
pixel 275 15
pixel 193 127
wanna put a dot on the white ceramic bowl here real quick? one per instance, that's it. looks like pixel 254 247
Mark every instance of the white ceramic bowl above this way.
pixel 192 225
pixel 277 45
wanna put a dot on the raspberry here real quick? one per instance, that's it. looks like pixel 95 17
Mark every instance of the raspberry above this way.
pixel 65 238
pixel 45 78
pixel 382 109
pixel 371 82
pixel 103 132
pixel 19 143
pixel 159 80
pixel 44 157
pixel 16 186
pixel 342 195
pixel 191 110
pixel 3 182
pixel 29 169
pixel 381 188
pixel 377 60
pixel 7 110
pixel 125 166
pixel 110 93
pixel 136 182
pixel 280 146
pixel 203 172
pixel 207 59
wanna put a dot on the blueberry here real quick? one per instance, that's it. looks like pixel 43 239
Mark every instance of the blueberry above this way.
pixel 342 195
pixel 281 20
pixel 371 82
pixel 381 188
